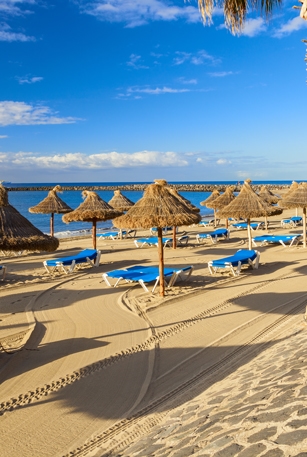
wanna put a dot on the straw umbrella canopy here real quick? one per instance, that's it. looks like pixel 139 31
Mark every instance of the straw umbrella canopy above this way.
pixel 223 200
pixel 50 205
pixel 120 201
pixel 215 194
pixel 270 198
pixel 292 188
pixel 93 209
pixel 17 233
pixel 298 199
pixel 158 208
pixel 186 202
pixel 247 205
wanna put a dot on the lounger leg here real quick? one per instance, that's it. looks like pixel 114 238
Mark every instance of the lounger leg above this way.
pixel 104 277
pixel 210 269
pixel 3 272
pixel 281 242
pixel 144 286
pixel 256 264
pixel 238 270
pixel 136 243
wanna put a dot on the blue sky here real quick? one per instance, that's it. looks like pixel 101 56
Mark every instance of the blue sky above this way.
pixel 132 90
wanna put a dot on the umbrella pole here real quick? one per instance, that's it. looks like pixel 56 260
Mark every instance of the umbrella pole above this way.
pixel 174 238
pixel 161 263
pixel 304 227
pixel 266 221
pixel 52 224
pixel 214 217
pixel 249 234
pixel 94 230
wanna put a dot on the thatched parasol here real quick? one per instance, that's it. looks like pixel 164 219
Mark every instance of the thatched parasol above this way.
pixel 158 208
pixel 298 199
pixel 50 205
pixel 120 202
pixel 246 205
pixel 270 199
pixel 223 200
pixel 292 188
pixel 93 209
pixel 215 194
pixel 17 233
pixel 186 202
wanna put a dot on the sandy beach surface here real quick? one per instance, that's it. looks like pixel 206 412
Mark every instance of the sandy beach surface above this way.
pixel 216 368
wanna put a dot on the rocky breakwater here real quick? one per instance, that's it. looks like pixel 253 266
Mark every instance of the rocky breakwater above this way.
pixel 140 187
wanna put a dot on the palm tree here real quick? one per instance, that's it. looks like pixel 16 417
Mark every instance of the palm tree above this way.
pixel 235 11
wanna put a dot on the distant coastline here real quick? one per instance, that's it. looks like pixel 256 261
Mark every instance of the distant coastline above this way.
pixel 140 187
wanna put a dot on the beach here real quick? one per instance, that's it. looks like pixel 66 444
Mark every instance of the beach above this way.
pixel 216 368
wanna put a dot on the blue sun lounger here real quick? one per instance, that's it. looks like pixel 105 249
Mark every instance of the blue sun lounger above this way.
pixel 289 240
pixel 208 222
pixel 3 270
pixel 67 264
pixel 116 235
pixel 218 234
pixel 146 274
pixel 234 263
pixel 292 221
pixel 243 225
pixel 153 241
pixel 154 230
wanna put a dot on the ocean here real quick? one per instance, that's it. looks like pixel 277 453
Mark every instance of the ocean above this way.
pixel 23 200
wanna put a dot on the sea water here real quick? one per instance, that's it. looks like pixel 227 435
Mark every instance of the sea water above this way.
pixel 23 200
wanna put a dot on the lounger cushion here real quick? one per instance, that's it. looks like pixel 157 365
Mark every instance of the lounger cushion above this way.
pixel 242 256
pixel 81 257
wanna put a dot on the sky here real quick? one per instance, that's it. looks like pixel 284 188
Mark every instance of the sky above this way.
pixel 134 90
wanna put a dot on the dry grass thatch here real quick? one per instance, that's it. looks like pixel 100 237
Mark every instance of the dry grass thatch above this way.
pixel 157 208
pixel 120 202
pixel 17 233
pixel 293 188
pixel 224 199
pixel 297 198
pixel 52 204
pixel 268 196
pixel 92 209
pixel 183 200
pixel 246 205
pixel 215 194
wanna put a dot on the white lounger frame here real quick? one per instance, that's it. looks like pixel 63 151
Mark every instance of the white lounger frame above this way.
pixel 234 271
pixel 214 239
pixel 294 242
pixel 67 269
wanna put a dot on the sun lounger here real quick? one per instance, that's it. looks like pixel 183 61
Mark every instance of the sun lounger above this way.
pixel 67 264
pixel 243 225
pixel 152 241
pixel 289 240
pixel 234 263
pixel 219 234
pixel 116 235
pixel 154 230
pixel 292 221
pixel 208 222
pixel 146 274
pixel 3 270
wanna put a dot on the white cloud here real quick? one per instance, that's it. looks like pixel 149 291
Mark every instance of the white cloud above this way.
pixel 20 113
pixel 29 80
pixel 12 7
pixel 3 136
pixel 253 27
pixel 138 12
pixel 200 58
pixel 293 25
pixel 98 161
pixel 223 162
pixel 182 80
pixel 221 74
pixel 7 35
pixel 135 62
pixel 134 92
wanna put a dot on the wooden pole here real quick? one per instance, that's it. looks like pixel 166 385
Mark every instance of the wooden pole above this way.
pixel 214 217
pixel 94 230
pixel 249 234
pixel 266 221
pixel 174 238
pixel 52 224
pixel 161 261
